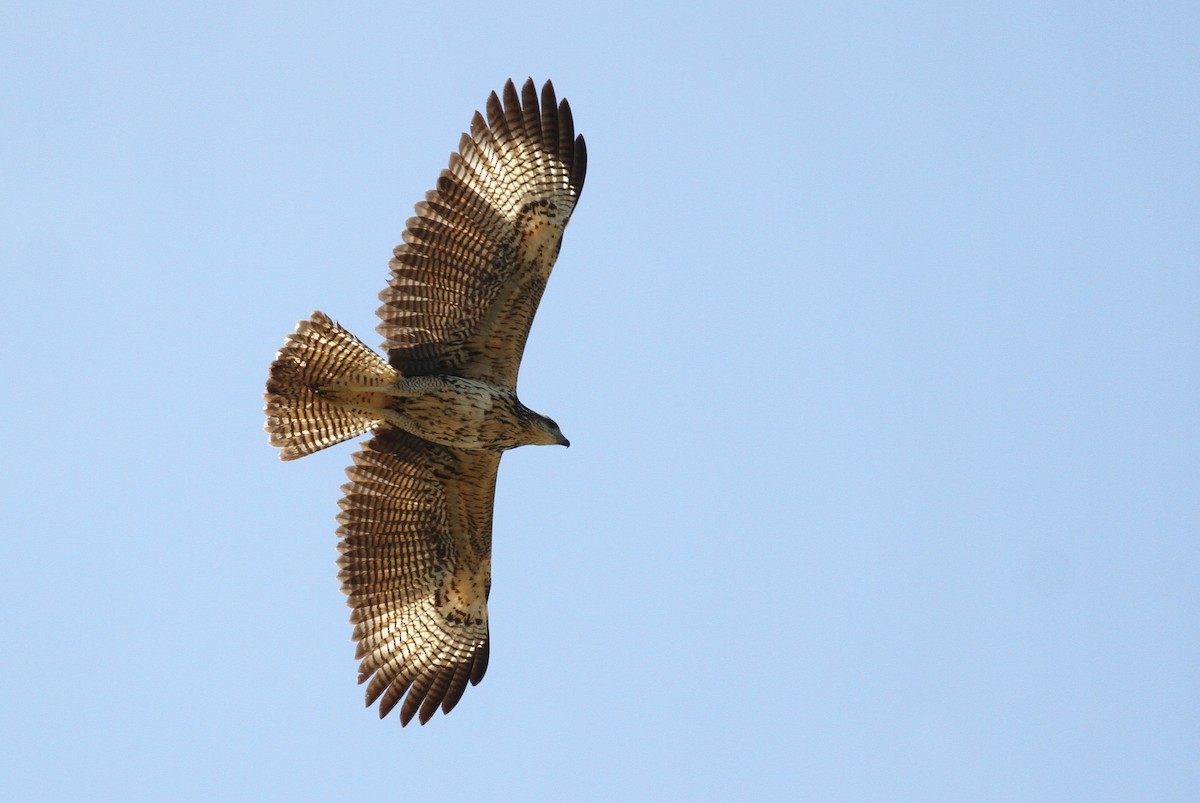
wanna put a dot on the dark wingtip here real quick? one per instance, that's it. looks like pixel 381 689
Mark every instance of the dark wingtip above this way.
pixel 579 165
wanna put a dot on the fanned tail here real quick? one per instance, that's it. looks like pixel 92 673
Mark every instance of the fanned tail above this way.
pixel 307 406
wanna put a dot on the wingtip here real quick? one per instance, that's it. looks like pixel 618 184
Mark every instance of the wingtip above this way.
pixel 579 165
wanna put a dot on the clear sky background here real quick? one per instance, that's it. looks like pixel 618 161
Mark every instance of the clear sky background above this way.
pixel 876 335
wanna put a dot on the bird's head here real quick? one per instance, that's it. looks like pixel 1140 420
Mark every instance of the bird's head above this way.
pixel 543 431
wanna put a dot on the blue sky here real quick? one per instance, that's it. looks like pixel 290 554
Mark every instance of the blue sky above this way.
pixel 875 335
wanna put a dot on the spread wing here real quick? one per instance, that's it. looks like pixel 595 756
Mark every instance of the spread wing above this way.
pixel 468 277
pixel 415 540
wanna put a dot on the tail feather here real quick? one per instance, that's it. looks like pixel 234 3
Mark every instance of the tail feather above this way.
pixel 301 417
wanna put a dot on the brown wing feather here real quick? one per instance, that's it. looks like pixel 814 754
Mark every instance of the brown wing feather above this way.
pixel 415 543
pixel 468 277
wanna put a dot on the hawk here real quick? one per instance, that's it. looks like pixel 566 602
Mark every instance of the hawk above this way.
pixel 415 528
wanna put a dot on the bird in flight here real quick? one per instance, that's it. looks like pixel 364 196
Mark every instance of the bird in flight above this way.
pixel 415 528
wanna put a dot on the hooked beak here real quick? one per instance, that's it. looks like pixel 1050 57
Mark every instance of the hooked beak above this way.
pixel 564 441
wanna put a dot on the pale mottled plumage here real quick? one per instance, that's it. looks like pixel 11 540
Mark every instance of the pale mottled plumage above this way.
pixel 416 523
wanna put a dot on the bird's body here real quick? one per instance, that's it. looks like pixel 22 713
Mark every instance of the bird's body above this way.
pixel 416 522
pixel 444 409
pixel 467 413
